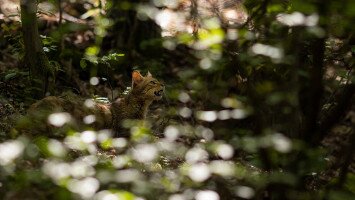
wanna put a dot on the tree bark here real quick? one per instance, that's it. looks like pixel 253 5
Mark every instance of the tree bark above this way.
pixel 35 58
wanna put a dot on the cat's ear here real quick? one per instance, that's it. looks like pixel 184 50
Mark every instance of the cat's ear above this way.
pixel 136 78
pixel 149 74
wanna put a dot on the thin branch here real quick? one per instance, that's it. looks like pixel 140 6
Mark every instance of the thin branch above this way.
pixel 60 12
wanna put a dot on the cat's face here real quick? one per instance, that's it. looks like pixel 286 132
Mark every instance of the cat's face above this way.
pixel 147 86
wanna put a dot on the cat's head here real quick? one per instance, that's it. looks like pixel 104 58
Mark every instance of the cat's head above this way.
pixel 147 86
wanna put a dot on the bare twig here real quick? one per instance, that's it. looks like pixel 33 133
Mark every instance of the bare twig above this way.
pixel 60 12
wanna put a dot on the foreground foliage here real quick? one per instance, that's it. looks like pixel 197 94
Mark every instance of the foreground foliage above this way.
pixel 259 101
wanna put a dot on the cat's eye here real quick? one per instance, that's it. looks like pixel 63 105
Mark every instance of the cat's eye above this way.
pixel 153 82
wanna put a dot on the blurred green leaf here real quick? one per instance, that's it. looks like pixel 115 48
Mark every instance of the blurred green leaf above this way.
pixel 340 195
pixel 10 76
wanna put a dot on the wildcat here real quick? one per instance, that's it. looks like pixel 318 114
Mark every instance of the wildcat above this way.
pixel 135 105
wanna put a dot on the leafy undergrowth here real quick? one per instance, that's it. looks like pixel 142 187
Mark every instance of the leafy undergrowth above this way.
pixel 161 160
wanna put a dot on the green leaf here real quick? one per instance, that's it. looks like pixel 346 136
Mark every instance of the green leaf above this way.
pixel 275 8
pixel 46 49
pixel 350 182
pixel 91 51
pixel 126 195
pixel 10 76
pixel 123 195
pixel 302 6
pixel 83 63
pixel 340 195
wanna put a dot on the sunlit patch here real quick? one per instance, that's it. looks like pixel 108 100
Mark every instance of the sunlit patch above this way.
pixel 205 63
pixel 89 103
pixel 208 116
pixel 144 11
pixel 232 34
pixel 127 175
pixel 94 81
pixel 145 153
pixel 224 115
pixel 89 119
pixel 230 14
pixel 245 192
pixel 92 148
pixel 195 155
pixel 170 21
pixel 90 159
pixel 10 150
pixel 231 103
pixel 319 32
pixel 207 195
pixel 61 170
pixel 104 176
pixel 56 148
pixel 297 19
pixel 204 132
pixel 167 145
pixel 281 143
pixel 119 142
pixel 273 52
pixel 116 195
pixel 190 29
pixel 104 135
pixel 167 3
pixel 106 195
pixel 212 23
pixel 185 112
pixel 56 170
pixel 312 20
pixel 80 169
pixel 120 161
pixel 184 97
pixel 223 168
pixel 234 16
pixel 171 133
pixel 238 114
pixel 88 136
pixel 293 19
pixel 59 119
pixel 86 187
pixel 225 151
pixel 75 142
pixel 209 38
pixel 199 172
pixel 177 197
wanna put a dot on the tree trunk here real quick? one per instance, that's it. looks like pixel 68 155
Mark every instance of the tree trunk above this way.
pixel 35 58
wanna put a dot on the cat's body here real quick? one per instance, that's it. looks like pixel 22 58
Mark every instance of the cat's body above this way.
pixel 134 105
